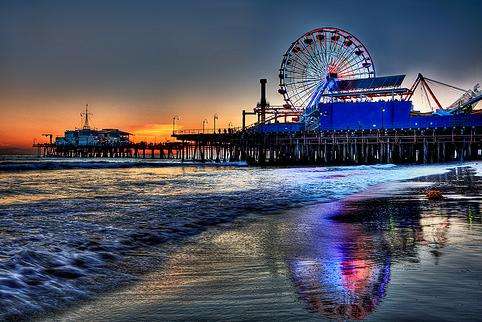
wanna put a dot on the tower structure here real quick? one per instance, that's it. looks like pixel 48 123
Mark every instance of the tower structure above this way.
pixel 85 116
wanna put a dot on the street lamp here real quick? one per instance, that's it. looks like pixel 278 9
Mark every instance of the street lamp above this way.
pixel 214 123
pixel 383 116
pixel 230 125
pixel 205 121
pixel 174 119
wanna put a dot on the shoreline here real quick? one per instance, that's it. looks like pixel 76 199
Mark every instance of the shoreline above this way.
pixel 178 258
pixel 22 163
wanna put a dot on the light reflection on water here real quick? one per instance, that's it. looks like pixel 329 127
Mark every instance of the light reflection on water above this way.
pixel 400 258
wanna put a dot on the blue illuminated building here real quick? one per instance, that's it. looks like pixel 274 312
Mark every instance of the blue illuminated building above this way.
pixel 374 104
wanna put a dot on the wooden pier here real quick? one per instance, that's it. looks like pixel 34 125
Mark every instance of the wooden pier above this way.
pixel 168 150
pixel 302 148
pixel 336 147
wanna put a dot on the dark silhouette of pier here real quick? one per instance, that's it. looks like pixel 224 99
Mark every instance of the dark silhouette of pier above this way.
pixel 168 150
pixel 303 148
pixel 335 147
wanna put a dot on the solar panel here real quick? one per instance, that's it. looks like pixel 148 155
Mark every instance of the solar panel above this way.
pixel 369 83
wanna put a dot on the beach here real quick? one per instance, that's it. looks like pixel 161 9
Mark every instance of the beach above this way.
pixel 385 252
pixel 184 241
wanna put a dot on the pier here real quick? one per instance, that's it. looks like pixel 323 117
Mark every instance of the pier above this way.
pixel 346 115
pixel 168 150
pixel 304 148
pixel 336 147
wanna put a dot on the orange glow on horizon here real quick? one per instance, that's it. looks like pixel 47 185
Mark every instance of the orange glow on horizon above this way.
pixel 153 133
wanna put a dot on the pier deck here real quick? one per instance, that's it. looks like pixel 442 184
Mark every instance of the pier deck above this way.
pixel 301 148
pixel 337 147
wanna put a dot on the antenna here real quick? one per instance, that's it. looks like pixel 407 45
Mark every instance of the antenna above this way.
pixel 85 115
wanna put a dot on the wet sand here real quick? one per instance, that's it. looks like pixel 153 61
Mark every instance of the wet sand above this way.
pixel 387 253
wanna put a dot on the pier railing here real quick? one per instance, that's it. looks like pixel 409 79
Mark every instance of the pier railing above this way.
pixel 208 131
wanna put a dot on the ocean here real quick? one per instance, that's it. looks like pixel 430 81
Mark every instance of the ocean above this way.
pixel 69 227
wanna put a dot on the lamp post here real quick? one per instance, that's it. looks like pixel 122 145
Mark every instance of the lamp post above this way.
pixel 383 116
pixel 215 117
pixel 205 121
pixel 174 119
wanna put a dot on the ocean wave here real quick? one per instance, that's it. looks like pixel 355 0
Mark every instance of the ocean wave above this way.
pixel 36 280
pixel 33 280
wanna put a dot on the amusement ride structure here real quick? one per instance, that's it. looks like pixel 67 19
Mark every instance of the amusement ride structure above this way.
pixel 328 72
pixel 316 60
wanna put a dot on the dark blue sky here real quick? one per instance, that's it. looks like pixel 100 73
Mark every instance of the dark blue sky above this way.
pixel 201 57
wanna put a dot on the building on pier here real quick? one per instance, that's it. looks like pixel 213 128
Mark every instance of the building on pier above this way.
pixel 87 136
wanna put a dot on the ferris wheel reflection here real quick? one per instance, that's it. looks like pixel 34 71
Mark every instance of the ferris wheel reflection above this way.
pixel 346 279
pixel 343 272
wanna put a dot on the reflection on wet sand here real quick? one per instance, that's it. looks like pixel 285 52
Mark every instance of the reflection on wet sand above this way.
pixel 343 280
pixel 335 259
pixel 346 274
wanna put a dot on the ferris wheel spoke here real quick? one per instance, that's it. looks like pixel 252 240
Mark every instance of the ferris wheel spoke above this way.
pixel 335 47
pixel 302 77
pixel 346 69
pixel 324 47
pixel 300 70
pixel 320 49
pixel 300 74
pixel 300 64
pixel 296 60
pixel 343 53
pixel 313 67
pixel 351 59
pixel 324 51
pixel 358 59
pixel 358 75
pixel 346 55
pixel 316 55
pixel 352 65
pixel 297 72
pixel 293 69
pixel 354 69
pixel 306 97
pixel 366 74
pixel 333 55
pixel 303 82
pixel 302 56
pixel 346 64
pixel 302 86
pixel 361 74
pixel 298 91
pixel 338 49
pixel 308 56
pixel 306 89
pixel 307 92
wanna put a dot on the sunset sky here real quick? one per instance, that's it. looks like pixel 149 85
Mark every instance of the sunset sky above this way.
pixel 138 63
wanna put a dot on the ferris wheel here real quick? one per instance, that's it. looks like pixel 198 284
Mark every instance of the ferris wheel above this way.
pixel 315 60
